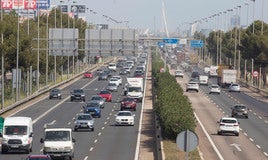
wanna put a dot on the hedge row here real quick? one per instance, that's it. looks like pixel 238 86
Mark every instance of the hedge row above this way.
pixel 172 107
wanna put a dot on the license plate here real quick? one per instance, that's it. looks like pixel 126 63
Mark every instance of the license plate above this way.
pixel 92 112
pixel 14 146
pixel 128 106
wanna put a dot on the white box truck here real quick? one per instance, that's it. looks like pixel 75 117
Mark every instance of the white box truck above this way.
pixel 58 142
pixel 228 76
pixel 135 88
pixel 213 71
pixel 17 134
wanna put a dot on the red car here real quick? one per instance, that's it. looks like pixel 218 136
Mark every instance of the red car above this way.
pixel 38 157
pixel 88 74
pixel 106 95
pixel 128 103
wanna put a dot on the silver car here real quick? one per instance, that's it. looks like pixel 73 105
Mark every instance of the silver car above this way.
pixel 234 87
pixel 112 87
pixel 83 121
pixel 98 99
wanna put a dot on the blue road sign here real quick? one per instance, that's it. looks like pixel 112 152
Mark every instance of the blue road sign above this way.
pixel 196 43
pixel 170 40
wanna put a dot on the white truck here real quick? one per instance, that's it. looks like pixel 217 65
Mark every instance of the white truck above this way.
pixel 203 80
pixel 135 88
pixel 228 76
pixel 213 71
pixel 58 142
pixel 17 134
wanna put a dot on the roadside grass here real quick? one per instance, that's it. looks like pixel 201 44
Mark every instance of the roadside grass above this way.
pixel 173 153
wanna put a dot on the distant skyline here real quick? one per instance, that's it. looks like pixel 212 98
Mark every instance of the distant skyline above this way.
pixel 147 14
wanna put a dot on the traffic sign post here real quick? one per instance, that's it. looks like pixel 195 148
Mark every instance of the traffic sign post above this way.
pixel 187 141
pixel 255 74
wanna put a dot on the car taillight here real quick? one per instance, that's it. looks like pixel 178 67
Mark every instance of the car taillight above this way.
pixel 236 125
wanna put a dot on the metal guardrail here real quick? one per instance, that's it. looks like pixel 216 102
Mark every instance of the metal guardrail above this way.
pixel 48 88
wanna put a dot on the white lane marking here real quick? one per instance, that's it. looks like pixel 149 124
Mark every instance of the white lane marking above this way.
pixel 95 141
pixel 251 139
pixel 91 149
pixel 209 138
pixel 266 121
pixel 102 128
pixel 258 146
pixel 236 146
pixel 105 122
pixel 86 158
pixel 99 133
pixel 255 113
pixel 110 114
pixel 245 134
pixel 260 117
pixel 69 123
pixel 108 118
pixel 265 154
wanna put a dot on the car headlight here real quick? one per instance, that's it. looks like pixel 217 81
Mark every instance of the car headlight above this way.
pixel 67 148
pixel 117 120
pixel 4 140
pixel 58 94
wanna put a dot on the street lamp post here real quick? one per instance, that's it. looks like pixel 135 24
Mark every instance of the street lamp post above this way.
pixel 17 56
pixel 253 13
pixel 247 11
pixel 38 45
pixel 2 64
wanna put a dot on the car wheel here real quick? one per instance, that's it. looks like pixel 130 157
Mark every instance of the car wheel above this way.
pixel 71 99
pixel 219 133
pixel 99 116
pixel 4 151
pixel 237 134
pixel 246 116
pixel 49 97
pixel 75 129
pixel 186 90
pixel 134 109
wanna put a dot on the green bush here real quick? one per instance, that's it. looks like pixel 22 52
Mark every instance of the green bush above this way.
pixel 172 107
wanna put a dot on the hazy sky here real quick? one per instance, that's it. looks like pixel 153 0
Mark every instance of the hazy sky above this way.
pixel 143 14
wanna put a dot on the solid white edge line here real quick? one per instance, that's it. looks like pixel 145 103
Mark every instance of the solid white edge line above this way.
pixel 209 138
pixel 141 115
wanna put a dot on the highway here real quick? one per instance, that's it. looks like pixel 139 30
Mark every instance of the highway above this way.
pixel 106 142
pixel 209 108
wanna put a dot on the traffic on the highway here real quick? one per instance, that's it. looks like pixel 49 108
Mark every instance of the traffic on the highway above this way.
pixel 87 119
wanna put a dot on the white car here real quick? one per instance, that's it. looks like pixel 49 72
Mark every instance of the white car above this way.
pixel 119 79
pixel 192 85
pixel 179 73
pixel 112 66
pixel 214 88
pixel 234 87
pixel 124 118
pixel 228 125
pixel 114 80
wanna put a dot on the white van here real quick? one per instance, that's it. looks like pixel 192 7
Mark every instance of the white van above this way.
pixel 17 134
pixel 203 80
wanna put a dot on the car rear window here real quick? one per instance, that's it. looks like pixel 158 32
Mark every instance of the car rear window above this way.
pixel 228 121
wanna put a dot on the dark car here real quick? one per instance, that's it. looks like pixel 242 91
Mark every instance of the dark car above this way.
pixel 123 71
pixel 78 94
pixel 93 108
pixel 38 157
pixel 239 110
pixel 128 103
pixel 103 76
pixel 195 74
pixel 55 93
pixel 108 72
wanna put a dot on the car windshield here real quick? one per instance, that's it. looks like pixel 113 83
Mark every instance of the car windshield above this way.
pixel 84 117
pixel 92 104
pixel 113 79
pixel 78 91
pixel 38 158
pixel 214 86
pixel 124 114
pixel 128 99
pixel 134 89
pixel 111 84
pixel 240 107
pixel 57 136
pixel 104 92
pixel 96 98
pixel 15 130
pixel 55 91
pixel 235 85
